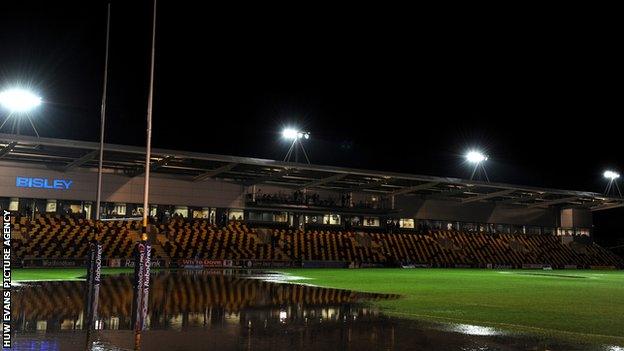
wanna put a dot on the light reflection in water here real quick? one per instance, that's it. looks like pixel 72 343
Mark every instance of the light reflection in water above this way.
pixel 469 329
pixel 179 300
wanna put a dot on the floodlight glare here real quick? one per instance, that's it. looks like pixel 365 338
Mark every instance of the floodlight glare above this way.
pixel 19 100
pixel 475 157
pixel 293 134
pixel 290 134
pixel 611 175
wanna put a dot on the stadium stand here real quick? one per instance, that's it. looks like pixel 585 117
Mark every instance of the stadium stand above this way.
pixel 199 239
pixel 66 237
pixel 63 237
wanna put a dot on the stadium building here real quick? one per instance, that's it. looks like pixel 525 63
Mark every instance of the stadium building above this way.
pixel 58 177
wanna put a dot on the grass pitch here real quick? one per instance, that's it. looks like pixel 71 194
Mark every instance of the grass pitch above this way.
pixel 586 306
pixel 51 274
pixel 580 305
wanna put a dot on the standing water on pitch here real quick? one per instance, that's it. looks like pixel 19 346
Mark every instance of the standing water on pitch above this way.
pixel 236 310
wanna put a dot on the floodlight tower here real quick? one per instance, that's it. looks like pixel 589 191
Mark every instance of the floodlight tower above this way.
pixel 19 102
pixel 477 158
pixel 612 185
pixel 297 137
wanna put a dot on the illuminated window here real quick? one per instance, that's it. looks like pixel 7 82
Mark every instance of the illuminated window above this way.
pixel 87 209
pixel 67 324
pixel 235 215
pixel 75 208
pixel 42 325
pixel 181 211
pixel 114 323
pixel 406 223
pixel 14 204
pixel 371 221
pixel 51 206
pixel 119 209
pixel 203 213
pixel 331 219
pixel 281 217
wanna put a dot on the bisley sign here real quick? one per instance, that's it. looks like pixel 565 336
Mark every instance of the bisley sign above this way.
pixel 43 183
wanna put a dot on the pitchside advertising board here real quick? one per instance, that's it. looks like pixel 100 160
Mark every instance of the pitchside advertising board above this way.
pixel 77 262
pixel 200 263
pixel 127 262
pixel 57 263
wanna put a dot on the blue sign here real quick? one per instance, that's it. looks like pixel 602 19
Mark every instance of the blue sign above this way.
pixel 43 183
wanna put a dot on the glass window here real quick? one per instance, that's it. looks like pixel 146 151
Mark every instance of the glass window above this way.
pixel 255 216
pixel 213 216
pixel 332 219
pixel 119 209
pixel 312 219
pixel 87 210
pixel 371 221
pixel 204 213
pixel 75 208
pixel 14 204
pixel 50 206
pixel 281 217
pixel 42 325
pixel 181 211
pixel 406 223
pixel 235 215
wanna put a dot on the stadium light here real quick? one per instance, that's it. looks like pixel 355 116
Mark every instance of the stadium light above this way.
pixel 475 157
pixel 289 134
pixel 296 137
pixel 612 185
pixel 19 100
pixel 611 175
pixel 293 134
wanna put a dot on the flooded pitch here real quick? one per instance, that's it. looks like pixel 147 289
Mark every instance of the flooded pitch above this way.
pixel 221 310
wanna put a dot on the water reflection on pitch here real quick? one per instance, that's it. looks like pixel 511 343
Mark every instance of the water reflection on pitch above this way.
pixel 202 310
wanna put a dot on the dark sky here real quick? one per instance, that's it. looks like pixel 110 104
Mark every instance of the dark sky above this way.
pixel 389 89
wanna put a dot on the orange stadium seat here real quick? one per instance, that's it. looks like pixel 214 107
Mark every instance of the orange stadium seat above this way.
pixel 63 237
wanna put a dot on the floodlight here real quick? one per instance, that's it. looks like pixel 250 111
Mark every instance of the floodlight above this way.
pixel 294 134
pixel 290 133
pixel 475 157
pixel 19 100
pixel 611 175
pixel 296 143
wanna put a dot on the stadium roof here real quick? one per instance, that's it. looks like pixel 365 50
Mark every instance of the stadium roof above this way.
pixel 63 155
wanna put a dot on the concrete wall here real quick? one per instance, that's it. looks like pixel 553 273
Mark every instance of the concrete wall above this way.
pixel 576 218
pixel 119 188
pixel 323 193
pixel 482 212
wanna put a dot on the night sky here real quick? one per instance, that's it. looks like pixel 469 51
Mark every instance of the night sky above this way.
pixel 386 89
